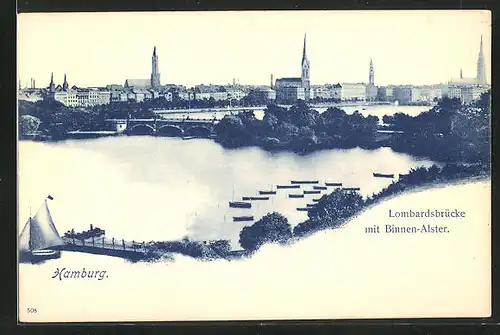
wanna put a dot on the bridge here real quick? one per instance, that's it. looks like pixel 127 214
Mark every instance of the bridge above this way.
pixel 165 126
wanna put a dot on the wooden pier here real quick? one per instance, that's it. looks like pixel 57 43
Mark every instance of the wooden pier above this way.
pixel 105 246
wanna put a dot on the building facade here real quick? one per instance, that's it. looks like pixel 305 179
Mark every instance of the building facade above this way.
pixel 353 92
pixel 77 97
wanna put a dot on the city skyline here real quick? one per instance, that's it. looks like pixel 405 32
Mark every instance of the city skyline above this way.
pixel 431 48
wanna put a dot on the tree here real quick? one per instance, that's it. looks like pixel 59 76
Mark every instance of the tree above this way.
pixel 330 210
pixel 28 124
pixel 231 132
pixel 271 228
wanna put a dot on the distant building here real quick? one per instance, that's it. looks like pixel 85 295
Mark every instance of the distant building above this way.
pixel 328 91
pixel 264 93
pixel 353 91
pixel 290 94
pixel 77 97
pixel 403 94
pixel 371 89
pixel 289 90
pixel 153 82
pixel 469 89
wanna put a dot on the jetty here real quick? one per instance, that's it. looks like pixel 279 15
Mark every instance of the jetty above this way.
pixel 105 246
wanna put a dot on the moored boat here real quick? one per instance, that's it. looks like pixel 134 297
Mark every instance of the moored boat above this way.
pixel 255 198
pixel 320 187
pixel 333 184
pixel 267 192
pixel 302 209
pixel 242 218
pixel 295 195
pixel 311 205
pixel 304 181
pixel 239 204
pixel 351 188
pixel 383 175
pixel 312 192
pixel 315 200
pixel 287 186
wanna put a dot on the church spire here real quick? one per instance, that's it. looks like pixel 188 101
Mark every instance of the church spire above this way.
pixel 65 83
pixel 481 71
pixel 371 74
pixel 52 86
pixel 304 53
pixel 155 75
pixel 305 75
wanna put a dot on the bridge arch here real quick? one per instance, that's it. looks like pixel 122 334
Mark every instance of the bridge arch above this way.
pixel 142 129
pixel 201 131
pixel 170 130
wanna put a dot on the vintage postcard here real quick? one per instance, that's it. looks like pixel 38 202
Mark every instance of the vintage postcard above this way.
pixel 274 165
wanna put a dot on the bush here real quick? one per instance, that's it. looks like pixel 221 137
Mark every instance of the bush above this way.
pixel 271 228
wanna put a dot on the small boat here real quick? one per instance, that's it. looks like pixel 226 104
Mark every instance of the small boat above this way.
pixel 320 187
pixel 333 184
pixel 351 188
pixel 288 186
pixel 239 204
pixel 267 192
pixel 304 181
pixel 39 236
pixel 255 198
pixel 312 192
pixel 242 218
pixel 382 175
pixel 315 200
pixel 302 209
pixel 295 195
pixel 311 205
pixel 46 254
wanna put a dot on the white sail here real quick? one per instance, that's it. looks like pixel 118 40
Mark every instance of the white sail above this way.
pixel 41 231
pixel 24 238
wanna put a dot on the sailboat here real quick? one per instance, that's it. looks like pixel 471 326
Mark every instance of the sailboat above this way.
pixel 39 235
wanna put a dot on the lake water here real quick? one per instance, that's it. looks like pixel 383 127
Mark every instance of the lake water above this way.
pixel 376 110
pixel 146 188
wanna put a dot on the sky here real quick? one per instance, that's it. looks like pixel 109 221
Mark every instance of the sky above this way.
pixel 407 47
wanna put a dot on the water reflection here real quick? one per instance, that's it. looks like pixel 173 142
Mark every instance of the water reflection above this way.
pixel 151 188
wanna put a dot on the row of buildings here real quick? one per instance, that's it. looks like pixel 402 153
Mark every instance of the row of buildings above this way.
pixel 282 90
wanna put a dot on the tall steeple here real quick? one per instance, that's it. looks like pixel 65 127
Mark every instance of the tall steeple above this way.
pixel 65 83
pixel 371 75
pixel 52 86
pixel 481 71
pixel 305 76
pixel 155 75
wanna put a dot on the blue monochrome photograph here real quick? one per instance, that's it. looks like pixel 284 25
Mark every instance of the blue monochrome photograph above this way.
pixel 254 165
